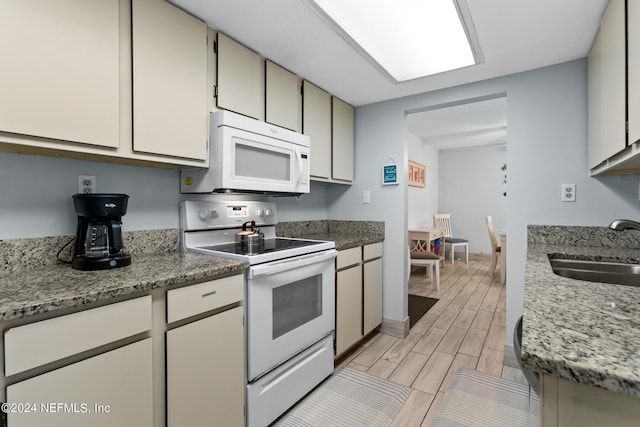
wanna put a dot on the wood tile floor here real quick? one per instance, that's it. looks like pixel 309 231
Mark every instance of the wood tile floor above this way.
pixel 465 328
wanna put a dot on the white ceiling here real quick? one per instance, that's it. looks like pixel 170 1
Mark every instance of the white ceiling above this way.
pixel 514 36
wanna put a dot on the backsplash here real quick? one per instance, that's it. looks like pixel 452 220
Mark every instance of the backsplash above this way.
pixel 309 228
pixel 28 253
pixel 583 236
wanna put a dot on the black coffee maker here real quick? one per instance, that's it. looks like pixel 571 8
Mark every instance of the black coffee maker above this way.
pixel 99 236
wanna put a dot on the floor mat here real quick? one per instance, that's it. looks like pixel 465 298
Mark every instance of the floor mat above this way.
pixel 418 306
pixel 348 398
pixel 477 399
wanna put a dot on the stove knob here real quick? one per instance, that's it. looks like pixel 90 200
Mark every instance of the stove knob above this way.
pixel 268 212
pixel 214 213
pixel 204 214
pixel 260 212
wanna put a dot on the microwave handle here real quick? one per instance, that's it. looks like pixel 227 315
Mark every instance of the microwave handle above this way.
pixel 300 166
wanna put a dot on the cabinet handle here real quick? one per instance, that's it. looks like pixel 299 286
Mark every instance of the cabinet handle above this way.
pixel 208 294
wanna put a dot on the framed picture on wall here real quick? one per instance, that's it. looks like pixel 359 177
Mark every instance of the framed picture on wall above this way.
pixel 417 174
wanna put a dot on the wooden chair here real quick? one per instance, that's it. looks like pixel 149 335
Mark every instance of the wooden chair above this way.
pixel 443 221
pixel 495 246
pixel 420 255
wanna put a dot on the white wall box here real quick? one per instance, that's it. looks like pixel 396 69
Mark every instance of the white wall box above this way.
pixel 239 79
pixel 116 387
pixel 316 123
pixel 170 109
pixel 613 146
pixel 341 141
pixel 70 93
pixel 283 97
pixel 77 102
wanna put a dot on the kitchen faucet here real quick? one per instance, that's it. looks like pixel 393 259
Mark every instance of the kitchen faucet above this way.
pixel 624 224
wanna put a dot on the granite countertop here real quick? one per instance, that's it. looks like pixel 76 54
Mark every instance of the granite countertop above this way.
pixel 55 287
pixel 586 332
pixel 346 234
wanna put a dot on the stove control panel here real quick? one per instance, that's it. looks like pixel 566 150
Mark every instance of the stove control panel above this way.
pixel 199 215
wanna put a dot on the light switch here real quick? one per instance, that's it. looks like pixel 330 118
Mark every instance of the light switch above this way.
pixel 366 196
pixel 568 192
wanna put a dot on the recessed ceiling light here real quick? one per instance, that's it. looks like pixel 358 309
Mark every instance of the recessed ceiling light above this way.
pixel 409 39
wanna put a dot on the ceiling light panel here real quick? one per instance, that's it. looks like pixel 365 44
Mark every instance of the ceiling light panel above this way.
pixel 407 38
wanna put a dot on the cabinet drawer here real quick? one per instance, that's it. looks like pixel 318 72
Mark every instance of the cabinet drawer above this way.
pixel 371 251
pixel 192 300
pixel 38 343
pixel 348 257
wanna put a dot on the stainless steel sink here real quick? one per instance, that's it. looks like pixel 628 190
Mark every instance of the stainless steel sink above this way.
pixel 597 271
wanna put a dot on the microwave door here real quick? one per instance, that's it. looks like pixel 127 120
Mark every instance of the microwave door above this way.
pixel 258 163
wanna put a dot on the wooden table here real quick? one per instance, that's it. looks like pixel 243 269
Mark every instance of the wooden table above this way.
pixel 424 236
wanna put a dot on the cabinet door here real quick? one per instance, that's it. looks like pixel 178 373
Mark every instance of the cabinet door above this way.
pixel 283 99
pixel 348 308
pixel 342 141
pixel 372 288
pixel 316 123
pixel 60 69
pixel 112 389
pixel 607 87
pixel 170 108
pixel 633 71
pixel 205 372
pixel 239 78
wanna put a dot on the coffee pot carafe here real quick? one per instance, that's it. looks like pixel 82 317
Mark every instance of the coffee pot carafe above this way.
pixel 99 235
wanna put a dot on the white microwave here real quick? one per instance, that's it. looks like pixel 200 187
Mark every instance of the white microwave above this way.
pixel 248 155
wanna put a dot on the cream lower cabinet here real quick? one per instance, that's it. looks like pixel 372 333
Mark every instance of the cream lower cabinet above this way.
pixel 205 358
pixel 348 299
pixel 358 294
pixel 372 287
pixel 112 389
pixel 566 403
pixel 67 388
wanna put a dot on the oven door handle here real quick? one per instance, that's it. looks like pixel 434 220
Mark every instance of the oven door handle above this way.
pixel 291 263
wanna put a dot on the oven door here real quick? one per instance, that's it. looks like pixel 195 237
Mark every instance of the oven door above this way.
pixel 290 306
pixel 255 162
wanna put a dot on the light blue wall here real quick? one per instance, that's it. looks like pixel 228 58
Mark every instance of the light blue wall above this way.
pixel 547 146
pixel 35 194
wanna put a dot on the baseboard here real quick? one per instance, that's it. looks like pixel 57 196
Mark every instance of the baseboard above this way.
pixel 510 357
pixel 395 328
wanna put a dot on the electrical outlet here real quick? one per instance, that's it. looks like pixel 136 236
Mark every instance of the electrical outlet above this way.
pixel 366 196
pixel 568 192
pixel 86 184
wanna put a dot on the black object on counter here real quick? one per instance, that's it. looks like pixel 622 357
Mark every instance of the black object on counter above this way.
pixel 99 234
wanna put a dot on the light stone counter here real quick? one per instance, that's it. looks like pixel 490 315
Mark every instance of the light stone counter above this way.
pixel 346 234
pixel 582 331
pixel 33 282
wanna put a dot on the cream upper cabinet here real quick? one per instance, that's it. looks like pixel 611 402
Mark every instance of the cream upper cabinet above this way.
pixel 239 79
pixel 607 87
pixel 316 123
pixel 170 108
pixel 61 81
pixel 283 97
pixel 633 72
pixel 342 141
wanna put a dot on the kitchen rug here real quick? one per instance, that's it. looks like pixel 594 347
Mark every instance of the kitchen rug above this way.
pixel 348 398
pixel 418 306
pixel 477 399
